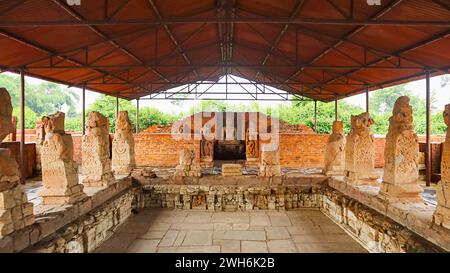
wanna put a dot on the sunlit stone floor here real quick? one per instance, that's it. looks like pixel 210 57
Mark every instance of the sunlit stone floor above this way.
pixel 166 230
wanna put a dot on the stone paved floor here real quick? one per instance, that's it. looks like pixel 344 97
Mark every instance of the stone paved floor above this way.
pixel 165 230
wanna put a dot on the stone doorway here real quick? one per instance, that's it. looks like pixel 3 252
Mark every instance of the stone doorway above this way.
pixel 229 150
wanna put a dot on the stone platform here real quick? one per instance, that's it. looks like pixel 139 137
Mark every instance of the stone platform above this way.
pixel 165 231
pixel 415 216
pixel 52 218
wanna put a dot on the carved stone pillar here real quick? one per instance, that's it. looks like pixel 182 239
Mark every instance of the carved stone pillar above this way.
pixel 15 210
pixel 59 170
pixel 187 166
pixel 401 155
pixel 252 148
pixel 123 156
pixel 270 163
pixel 442 213
pixel 360 152
pixel 95 152
pixel 335 151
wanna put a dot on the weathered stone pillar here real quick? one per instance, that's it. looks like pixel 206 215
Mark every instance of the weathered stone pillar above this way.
pixel 59 170
pixel 123 157
pixel 335 151
pixel 188 167
pixel 442 213
pixel 252 148
pixel 360 152
pixel 270 163
pixel 401 155
pixel 15 210
pixel 95 152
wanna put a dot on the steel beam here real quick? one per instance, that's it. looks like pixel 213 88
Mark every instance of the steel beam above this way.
pixel 137 115
pixel 214 20
pixel 83 111
pixel 23 168
pixel 428 123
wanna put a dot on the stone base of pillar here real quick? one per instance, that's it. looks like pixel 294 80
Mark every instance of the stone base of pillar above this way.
pixel 334 171
pixel 123 169
pixel 441 217
pixel 61 197
pixel 409 192
pixel 15 211
pixel 105 180
pixel 361 179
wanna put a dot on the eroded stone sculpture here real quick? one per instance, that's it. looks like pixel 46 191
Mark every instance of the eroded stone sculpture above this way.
pixel 123 156
pixel 270 163
pixel 401 155
pixel 187 166
pixel 207 150
pixel 335 151
pixel 442 213
pixel 15 210
pixel 360 152
pixel 252 146
pixel 95 152
pixel 59 170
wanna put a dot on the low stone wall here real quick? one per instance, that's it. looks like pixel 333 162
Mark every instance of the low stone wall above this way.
pixel 86 233
pixel 416 216
pixel 230 198
pixel 374 231
pixel 51 220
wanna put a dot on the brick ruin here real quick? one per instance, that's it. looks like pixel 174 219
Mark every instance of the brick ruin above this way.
pixel 222 162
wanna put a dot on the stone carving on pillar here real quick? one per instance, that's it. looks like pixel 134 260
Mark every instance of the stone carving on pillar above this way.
pixel 335 151
pixel 207 150
pixel 252 146
pixel 360 152
pixel 96 164
pixel 187 166
pixel 15 210
pixel 401 155
pixel 270 163
pixel 59 170
pixel 442 214
pixel 123 157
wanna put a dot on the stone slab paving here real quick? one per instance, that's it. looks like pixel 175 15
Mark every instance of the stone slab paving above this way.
pixel 175 231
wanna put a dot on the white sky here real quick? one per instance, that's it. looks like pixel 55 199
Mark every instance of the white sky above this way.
pixel 416 87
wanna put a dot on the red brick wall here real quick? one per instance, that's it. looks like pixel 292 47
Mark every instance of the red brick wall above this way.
pixel 296 150
pixel 302 150
pixel 160 149
pixel 30 154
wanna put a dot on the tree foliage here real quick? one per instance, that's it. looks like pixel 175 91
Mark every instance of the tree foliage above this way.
pixel 46 98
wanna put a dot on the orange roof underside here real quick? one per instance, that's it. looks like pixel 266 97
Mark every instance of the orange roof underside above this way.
pixel 321 49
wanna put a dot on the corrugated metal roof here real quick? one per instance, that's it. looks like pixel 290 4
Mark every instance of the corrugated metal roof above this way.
pixel 322 49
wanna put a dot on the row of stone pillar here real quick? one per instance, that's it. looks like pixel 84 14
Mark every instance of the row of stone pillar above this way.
pixel 59 170
pixel 354 158
pixel 60 177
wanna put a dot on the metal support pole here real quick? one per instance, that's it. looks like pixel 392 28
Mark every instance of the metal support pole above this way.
pixel 315 116
pixel 367 99
pixel 22 128
pixel 137 115
pixel 117 107
pixel 335 109
pixel 83 111
pixel 428 152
